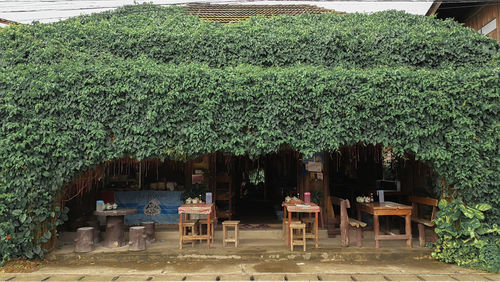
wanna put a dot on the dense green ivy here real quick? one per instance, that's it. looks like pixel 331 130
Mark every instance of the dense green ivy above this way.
pixel 151 82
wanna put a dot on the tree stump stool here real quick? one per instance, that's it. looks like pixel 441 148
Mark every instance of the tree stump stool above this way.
pixel 95 224
pixel 295 242
pixel 149 230
pixel 84 241
pixel 114 232
pixel 225 237
pixel 137 238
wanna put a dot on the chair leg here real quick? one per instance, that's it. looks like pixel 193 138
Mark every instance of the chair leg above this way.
pixel 291 240
pixel 192 233
pixel 224 235
pixel 212 231
pixel 421 235
pixel 304 238
pixel 236 231
pixel 359 237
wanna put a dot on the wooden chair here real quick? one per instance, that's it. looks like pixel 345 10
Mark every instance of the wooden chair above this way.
pixel 296 226
pixel 225 237
pixel 421 220
pixel 347 223
pixel 188 226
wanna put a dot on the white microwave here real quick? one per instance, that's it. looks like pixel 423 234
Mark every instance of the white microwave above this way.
pixel 388 185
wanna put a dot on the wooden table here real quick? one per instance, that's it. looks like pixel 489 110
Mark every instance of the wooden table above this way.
pixel 114 226
pixel 186 209
pixel 312 207
pixel 385 209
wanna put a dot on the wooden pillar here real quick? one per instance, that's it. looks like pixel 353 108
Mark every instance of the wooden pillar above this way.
pixel 326 181
pixel 344 224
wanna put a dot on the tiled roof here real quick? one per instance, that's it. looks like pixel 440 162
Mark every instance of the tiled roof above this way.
pixel 6 22
pixel 234 13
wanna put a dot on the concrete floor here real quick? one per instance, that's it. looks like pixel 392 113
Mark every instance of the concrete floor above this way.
pixel 262 255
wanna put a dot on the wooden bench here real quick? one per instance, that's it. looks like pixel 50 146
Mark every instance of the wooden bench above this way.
pixel 347 223
pixel 420 220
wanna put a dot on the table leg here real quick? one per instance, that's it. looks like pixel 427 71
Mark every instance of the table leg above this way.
pixel 114 231
pixel 408 230
pixel 288 226
pixel 316 228
pixel 180 231
pixel 285 233
pixel 376 229
pixel 208 230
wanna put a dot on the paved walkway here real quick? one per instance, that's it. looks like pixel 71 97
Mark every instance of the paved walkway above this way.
pixel 259 258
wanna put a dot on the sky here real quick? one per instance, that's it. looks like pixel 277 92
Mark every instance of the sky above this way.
pixel 27 11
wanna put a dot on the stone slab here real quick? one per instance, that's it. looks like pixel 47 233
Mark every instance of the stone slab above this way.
pixel 171 277
pixel 269 277
pixel 235 277
pixel 100 278
pixel 468 277
pixel 335 277
pixel 368 277
pixel 492 277
pixel 209 277
pixel 30 277
pixel 302 277
pixel 403 277
pixel 440 277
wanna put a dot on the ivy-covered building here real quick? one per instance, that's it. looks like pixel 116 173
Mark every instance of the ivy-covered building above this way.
pixel 148 88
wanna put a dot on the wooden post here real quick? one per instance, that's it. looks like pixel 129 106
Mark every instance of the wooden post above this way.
pixel 137 238
pixel 84 241
pixel 359 236
pixel 180 231
pixel 376 229
pixel 408 230
pixel 149 231
pixel 315 231
pixel 421 235
pixel 344 224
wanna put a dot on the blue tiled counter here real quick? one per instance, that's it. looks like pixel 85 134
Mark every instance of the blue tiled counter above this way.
pixel 157 206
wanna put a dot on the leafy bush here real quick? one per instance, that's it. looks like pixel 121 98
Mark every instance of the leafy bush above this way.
pixel 151 82
pixel 464 238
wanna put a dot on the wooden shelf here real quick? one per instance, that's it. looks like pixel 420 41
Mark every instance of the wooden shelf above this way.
pixel 224 196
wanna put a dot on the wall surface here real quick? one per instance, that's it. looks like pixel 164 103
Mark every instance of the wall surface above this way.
pixel 483 16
